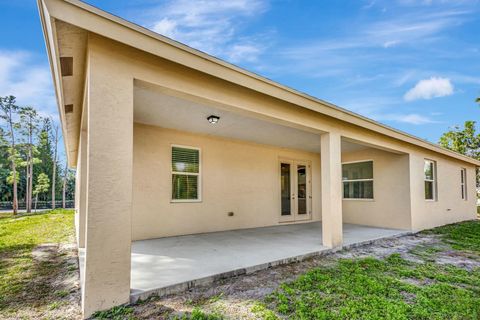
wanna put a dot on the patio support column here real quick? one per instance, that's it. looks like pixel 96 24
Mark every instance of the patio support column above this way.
pixel 109 185
pixel 331 170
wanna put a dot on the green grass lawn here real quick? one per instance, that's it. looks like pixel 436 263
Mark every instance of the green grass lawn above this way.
pixel 419 285
pixel 394 287
pixel 22 277
pixel 391 288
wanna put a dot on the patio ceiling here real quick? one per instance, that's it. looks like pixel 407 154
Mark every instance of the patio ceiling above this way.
pixel 155 107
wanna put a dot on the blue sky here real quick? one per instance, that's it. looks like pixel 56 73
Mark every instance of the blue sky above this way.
pixel 413 65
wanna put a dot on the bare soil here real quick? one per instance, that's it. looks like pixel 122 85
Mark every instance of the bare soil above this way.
pixel 55 294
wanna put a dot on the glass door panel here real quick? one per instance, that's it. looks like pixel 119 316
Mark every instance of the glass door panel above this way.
pixel 302 189
pixel 285 182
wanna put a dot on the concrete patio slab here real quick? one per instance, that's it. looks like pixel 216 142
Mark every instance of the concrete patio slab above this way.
pixel 168 265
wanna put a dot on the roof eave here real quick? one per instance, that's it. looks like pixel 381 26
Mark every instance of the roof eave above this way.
pixel 50 44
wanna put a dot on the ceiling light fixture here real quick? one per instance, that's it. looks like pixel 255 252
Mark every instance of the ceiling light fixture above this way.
pixel 213 119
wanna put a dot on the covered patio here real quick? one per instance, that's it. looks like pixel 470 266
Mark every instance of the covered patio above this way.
pixel 172 264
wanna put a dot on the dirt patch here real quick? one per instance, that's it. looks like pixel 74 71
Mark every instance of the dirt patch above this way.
pixel 54 292
pixel 459 259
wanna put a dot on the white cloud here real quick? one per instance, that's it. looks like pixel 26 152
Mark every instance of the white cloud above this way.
pixel 210 26
pixel 390 43
pixel 165 27
pixel 403 37
pixel 411 118
pixel 377 108
pixel 28 81
pixel 243 52
pixel 386 33
pixel 411 28
pixel 430 88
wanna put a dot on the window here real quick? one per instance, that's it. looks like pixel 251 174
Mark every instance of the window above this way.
pixel 185 174
pixel 357 180
pixel 430 173
pixel 463 183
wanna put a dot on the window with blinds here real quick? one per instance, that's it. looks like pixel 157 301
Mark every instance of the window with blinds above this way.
pixel 185 174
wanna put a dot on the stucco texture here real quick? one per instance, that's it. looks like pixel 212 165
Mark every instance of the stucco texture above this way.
pixel 390 206
pixel 238 177
pixel 449 207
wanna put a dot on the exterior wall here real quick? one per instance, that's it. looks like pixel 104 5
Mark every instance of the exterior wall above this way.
pixel 109 158
pixel 199 87
pixel 237 176
pixel 449 206
pixel 390 207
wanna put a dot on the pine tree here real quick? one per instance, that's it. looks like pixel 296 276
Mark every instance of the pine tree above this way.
pixel 8 110
pixel 42 186
pixel 5 192
pixel 29 121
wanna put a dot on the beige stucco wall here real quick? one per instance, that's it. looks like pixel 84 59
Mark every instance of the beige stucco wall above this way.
pixel 236 176
pixel 449 206
pixel 198 87
pixel 109 163
pixel 391 204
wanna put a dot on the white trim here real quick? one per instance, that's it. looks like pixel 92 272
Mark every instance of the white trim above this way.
pixel 433 181
pixel 359 180
pixel 185 200
pixel 357 161
pixel 199 175
pixel 185 146
pixel 294 216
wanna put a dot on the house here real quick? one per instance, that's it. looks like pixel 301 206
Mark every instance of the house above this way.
pixel 169 141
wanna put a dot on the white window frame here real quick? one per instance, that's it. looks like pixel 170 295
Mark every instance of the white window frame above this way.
pixel 434 180
pixel 463 184
pixel 359 180
pixel 199 175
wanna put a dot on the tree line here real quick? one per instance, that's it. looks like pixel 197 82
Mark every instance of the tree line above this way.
pixel 31 166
